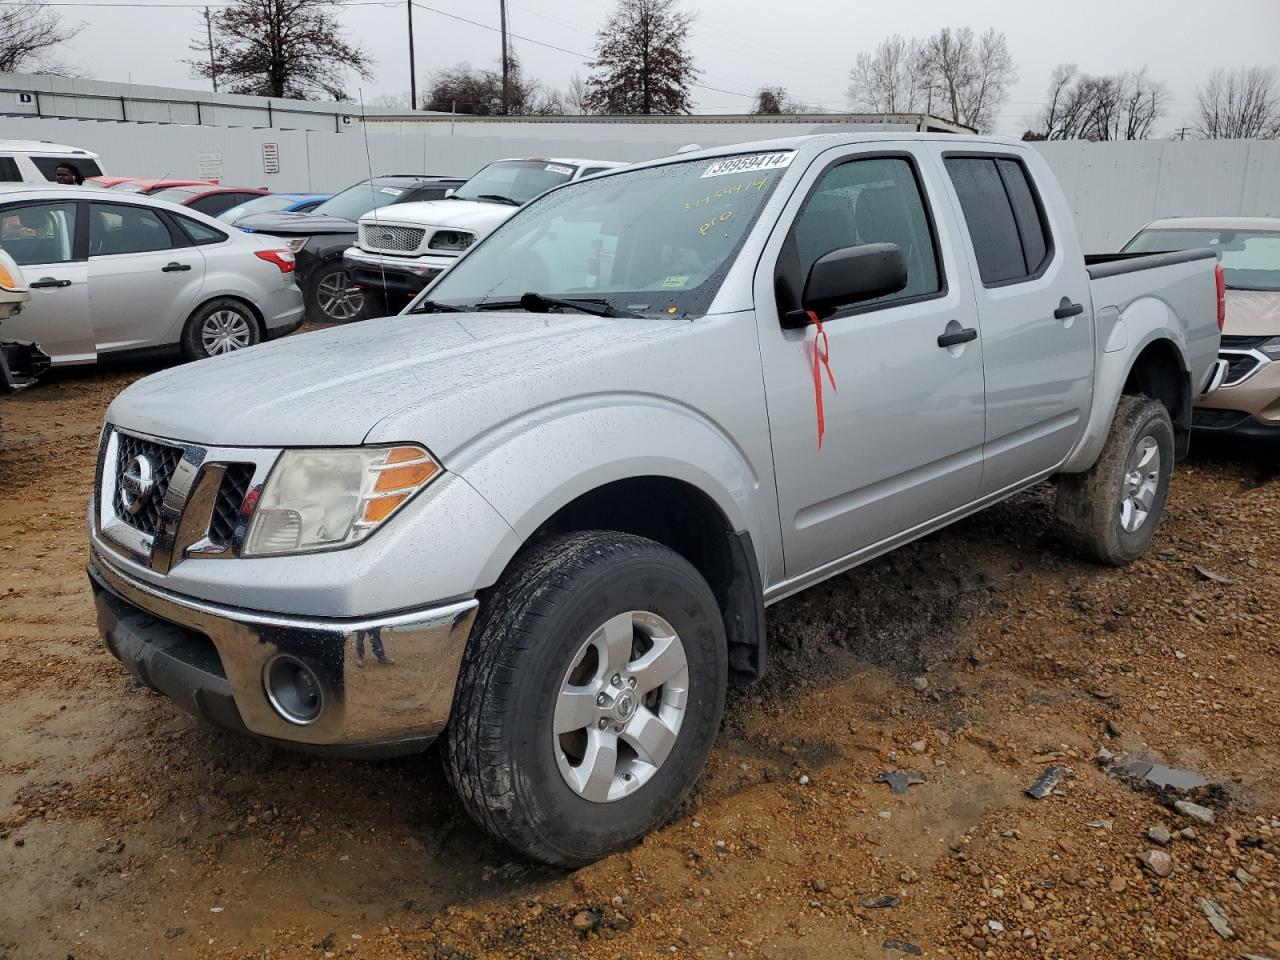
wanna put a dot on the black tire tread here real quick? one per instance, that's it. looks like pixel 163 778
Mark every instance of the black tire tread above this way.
pixel 473 757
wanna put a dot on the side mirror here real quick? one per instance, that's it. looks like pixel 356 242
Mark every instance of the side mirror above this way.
pixel 853 274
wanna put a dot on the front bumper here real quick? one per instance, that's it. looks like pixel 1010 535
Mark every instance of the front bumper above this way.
pixel 385 684
pixel 393 275
pixel 1248 400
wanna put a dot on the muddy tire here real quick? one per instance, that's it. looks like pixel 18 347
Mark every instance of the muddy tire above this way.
pixel 589 696
pixel 1110 512
pixel 220 326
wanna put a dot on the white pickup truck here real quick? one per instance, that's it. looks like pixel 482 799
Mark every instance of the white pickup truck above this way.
pixel 399 251
pixel 540 514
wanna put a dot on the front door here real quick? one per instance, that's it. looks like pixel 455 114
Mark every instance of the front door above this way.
pixel 904 426
pixel 42 236
pixel 143 276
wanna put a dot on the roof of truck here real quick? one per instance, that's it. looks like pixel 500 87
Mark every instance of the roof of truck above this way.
pixel 1214 223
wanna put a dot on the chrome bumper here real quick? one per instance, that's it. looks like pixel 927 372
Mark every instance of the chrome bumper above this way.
pixel 386 683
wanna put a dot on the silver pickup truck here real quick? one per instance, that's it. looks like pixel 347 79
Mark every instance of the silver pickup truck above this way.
pixel 540 514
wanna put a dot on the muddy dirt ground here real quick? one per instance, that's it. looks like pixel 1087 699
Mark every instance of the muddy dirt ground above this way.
pixel 978 658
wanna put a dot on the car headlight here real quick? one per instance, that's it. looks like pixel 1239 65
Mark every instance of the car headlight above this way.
pixel 295 243
pixel 454 240
pixel 1271 348
pixel 328 499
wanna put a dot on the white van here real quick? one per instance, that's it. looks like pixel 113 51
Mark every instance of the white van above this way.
pixel 34 161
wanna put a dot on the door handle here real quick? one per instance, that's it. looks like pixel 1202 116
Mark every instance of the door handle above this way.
pixel 174 267
pixel 963 335
pixel 48 282
pixel 1067 309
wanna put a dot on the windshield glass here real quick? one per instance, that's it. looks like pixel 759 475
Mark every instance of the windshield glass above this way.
pixel 659 239
pixel 177 195
pixel 518 180
pixel 1250 258
pixel 256 205
pixel 354 202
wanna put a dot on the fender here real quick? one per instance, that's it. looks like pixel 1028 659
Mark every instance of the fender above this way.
pixel 1141 325
pixel 569 448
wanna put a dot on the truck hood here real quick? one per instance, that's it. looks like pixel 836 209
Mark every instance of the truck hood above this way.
pixel 1252 313
pixel 333 387
pixel 295 224
pixel 475 215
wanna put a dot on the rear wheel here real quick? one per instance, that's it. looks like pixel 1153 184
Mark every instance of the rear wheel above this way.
pixel 1112 510
pixel 220 326
pixel 589 696
pixel 332 298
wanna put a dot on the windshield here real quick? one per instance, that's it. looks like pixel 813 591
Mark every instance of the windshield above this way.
pixel 177 195
pixel 1250 258
pixel 516 180
pixel 256 205
pixel 657 240
pixel 354 202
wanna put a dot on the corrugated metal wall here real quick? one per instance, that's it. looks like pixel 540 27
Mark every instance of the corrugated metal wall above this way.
pixel 1114 188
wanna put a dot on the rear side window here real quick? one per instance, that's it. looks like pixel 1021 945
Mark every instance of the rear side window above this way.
pixel 1004 217
pixel 198 232
pixel 47 165
pixel 212 204
pixel 117 228
pixel 9 172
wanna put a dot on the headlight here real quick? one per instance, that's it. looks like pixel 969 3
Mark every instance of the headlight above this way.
pixel 455 240
pixel 327 499
pixel 1271 348
pixel 295 243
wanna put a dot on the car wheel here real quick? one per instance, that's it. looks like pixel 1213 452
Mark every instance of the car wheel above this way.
pixel 332 298
pixel 1112 510
pixel 220 326
pixel 589 696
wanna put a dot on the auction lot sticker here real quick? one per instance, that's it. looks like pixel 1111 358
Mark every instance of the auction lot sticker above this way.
pixel 750 162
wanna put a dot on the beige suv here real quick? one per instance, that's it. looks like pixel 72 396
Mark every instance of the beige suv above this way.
pixel 1248 401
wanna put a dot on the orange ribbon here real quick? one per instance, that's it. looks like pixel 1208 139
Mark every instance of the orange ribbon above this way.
pixel 821 360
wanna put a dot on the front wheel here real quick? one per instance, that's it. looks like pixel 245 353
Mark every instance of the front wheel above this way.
pixel 332 297
pixel 220 326
pixel 589 696
pixel 1112 510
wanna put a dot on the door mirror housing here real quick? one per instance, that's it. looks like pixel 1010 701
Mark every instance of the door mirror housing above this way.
pixel 853 274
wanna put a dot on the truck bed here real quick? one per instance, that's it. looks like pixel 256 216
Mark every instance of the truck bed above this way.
pixel 1112 264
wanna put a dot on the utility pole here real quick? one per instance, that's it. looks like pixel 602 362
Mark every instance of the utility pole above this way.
pixel 208 29
pixel 413 73
pixel 506 82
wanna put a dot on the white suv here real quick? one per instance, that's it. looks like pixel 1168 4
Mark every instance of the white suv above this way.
pixel 399 251
pixel 34 161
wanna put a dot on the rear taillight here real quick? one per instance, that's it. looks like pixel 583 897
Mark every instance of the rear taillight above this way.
pixel 281 258
pixel 1221 280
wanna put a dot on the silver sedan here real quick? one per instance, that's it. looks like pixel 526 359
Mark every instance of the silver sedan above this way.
pixel 133 275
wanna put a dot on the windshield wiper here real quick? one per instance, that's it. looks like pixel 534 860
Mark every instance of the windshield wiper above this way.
pixel 499 198
pixel 434 306
pixel 537 303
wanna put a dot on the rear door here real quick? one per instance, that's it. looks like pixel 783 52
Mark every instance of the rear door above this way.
pixel 144 275
pixel 904 426
pixel 45 239
pixel 1033 297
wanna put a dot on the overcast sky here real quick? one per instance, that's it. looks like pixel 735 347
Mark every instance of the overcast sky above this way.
pixel 805 45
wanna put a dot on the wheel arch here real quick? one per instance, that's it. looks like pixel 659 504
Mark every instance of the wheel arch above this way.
pixel 686 519
pixel 1159 372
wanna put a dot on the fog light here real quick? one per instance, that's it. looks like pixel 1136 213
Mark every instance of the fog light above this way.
pixel 293 690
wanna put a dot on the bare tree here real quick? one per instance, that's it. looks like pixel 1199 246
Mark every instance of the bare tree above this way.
pixel 279 48
pixel 776 100
pixel 1122 106
pixel 28 33
pixel 575 97
pixel 464 89
pixel 1239 104
pixel 642 64
pixel 890 80
pixel 968 76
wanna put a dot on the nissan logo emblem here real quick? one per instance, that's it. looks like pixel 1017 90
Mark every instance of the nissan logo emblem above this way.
pixel 136 483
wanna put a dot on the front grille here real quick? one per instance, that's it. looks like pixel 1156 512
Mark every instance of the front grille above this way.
pixel 1230 342
pixel 1210 419
pixel 226 509
pixel 375 236
pixel 1239 366
pixel 164 460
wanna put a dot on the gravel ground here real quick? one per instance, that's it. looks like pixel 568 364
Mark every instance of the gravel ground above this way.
pixel 978 658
